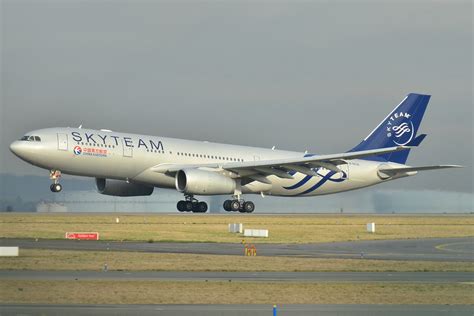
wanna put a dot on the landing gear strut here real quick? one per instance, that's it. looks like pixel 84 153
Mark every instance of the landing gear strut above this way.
pixel 55 175
pixel 239 206
pixel 190 204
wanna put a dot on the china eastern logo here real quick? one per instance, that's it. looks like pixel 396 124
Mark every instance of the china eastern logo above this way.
pixel 90 151
pixel 400 128
pixel 77 150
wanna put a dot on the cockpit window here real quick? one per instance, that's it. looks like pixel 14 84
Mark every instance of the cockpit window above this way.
pixel 31 138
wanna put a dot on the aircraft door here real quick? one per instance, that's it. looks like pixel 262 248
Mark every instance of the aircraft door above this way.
pixel 127 150
pixel 62 141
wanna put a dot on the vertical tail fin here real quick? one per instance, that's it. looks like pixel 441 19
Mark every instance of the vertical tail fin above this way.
pixel 397 129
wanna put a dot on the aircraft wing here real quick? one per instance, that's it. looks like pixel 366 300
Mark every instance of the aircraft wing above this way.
pixel 280 167
pixel 396 171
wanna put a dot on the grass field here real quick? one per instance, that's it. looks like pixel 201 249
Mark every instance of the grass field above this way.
pixel 199 292
pixel 205 228
pixel 36 259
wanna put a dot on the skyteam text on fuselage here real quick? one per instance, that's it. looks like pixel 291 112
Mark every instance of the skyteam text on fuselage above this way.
pixel 133 165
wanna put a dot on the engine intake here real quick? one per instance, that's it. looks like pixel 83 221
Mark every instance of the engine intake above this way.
pixel 121 188
pixel 195 181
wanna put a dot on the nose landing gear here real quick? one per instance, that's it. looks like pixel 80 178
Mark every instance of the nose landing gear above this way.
pixel 55 175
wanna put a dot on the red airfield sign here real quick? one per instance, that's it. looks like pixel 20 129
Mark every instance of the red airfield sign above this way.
pixel 83 236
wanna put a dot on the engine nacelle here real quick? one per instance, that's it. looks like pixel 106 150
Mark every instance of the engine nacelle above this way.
pixel 195 181
pixel 121 188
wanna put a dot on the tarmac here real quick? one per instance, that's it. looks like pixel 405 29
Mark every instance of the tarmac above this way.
pixel 432 249
pixel 435 249
pixel 236 310
pixel 351 277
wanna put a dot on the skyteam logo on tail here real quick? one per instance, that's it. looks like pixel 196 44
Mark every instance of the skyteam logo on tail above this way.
pixel 400 128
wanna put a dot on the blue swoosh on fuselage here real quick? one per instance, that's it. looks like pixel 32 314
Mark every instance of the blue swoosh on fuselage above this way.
pixel 299 184
pixel 326 178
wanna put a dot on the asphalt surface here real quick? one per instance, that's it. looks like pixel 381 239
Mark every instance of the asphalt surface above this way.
pixel 433 249
pixel 412 277
pixel 237 310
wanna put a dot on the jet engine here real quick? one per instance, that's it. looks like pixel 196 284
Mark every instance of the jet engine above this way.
pixel 121 188
pixel 201 182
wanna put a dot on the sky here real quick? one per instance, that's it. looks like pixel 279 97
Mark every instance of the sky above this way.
pixel 316 75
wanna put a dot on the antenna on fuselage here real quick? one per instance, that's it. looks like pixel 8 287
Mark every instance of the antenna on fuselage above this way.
pixel 80 126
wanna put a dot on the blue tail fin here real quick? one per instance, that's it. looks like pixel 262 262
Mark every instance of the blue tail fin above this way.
pixel 398 128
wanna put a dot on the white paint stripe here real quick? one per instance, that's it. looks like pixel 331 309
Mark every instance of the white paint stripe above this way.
pixel 385 118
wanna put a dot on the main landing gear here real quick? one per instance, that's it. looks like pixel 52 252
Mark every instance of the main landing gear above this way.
pixel 190 204
pixel 55 175
pixel 239 206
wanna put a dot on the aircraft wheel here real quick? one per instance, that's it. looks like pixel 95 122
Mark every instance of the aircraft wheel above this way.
pixel 189 206
pixel 56 187
pixel 249 207
pixel 202 207
pixel 234 205
pixel 227 205
pixel 181 206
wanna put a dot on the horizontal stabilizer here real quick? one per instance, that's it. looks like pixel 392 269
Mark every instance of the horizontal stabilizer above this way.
pixel 395 171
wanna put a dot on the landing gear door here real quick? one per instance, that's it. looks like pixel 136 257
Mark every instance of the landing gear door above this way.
pixel 127 150
pixel 62 142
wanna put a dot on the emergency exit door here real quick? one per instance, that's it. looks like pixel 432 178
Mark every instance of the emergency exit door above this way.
pixel 62 142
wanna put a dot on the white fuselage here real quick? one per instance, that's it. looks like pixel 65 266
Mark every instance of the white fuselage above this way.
pixel 130 157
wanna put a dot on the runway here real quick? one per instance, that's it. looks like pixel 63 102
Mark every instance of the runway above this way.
pixel 439 249
pixel 237 310
pixel 432 249
pixel 411 277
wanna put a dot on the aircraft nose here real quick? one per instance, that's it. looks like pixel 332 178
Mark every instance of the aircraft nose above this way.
pixel 18 148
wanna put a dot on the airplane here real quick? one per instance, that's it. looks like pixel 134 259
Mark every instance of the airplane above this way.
pixel 133 165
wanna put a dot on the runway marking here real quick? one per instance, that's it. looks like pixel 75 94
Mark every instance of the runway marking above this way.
pixel 444 247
